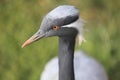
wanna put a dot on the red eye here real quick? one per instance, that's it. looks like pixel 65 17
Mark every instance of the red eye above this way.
pixel 55 27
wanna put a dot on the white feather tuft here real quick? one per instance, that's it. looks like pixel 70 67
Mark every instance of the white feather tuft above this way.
pixel 81 39
pixel 79 26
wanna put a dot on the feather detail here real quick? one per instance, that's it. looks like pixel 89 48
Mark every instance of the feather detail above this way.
pixel 81 39
pixel 79 26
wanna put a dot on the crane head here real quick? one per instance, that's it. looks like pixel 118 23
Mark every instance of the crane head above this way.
pixel 62 21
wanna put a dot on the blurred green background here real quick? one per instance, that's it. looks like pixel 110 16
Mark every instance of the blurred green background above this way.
pixel 20 19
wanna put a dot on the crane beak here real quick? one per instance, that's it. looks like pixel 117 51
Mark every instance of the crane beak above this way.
pixel 34 38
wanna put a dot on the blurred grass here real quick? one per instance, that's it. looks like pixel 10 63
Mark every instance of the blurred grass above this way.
pixel 20 19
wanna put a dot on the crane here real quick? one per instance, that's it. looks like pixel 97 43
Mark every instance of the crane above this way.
pixel 64 22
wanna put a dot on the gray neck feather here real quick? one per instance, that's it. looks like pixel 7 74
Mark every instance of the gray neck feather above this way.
pixel 66 56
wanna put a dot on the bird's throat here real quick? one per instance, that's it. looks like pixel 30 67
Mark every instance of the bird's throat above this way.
pixel 66 57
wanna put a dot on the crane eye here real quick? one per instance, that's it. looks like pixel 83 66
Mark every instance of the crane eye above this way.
pixel 55 27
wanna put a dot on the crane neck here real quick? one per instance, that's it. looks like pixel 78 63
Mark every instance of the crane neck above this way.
pixel 66 57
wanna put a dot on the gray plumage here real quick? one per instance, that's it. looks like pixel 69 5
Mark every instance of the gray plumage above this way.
pixel 60 16
pixel 86 68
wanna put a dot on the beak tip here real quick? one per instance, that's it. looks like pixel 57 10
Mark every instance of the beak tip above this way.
pixel 34 38
pixel 26 43
pixel 22 46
